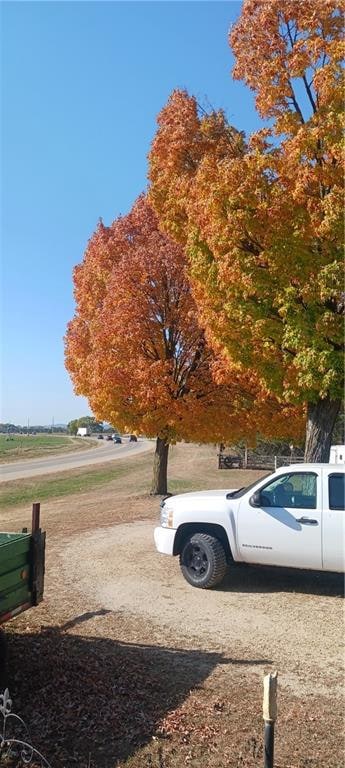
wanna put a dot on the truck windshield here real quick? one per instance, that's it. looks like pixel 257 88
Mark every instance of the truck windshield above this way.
pixel 241 491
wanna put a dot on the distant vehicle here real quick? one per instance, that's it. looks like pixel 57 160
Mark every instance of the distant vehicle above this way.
pixel 117 439
pixel 337 454
pixel 133 439
pixel 83 432
pixel 99 437
pixel 108 437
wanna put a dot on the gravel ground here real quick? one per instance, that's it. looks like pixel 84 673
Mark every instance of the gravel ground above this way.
pixel 292 621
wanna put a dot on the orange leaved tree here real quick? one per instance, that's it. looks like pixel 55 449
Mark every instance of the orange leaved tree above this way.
pixel 262 221
pixel 136 351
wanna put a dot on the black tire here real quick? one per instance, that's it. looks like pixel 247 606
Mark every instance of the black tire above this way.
pixel 203 561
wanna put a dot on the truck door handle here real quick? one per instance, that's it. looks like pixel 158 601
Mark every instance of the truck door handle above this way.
pixel 307 521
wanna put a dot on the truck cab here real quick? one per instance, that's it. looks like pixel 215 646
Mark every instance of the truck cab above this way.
pixel 292 518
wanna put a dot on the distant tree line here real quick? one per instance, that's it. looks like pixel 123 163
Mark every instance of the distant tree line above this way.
pixel 85 421
pixel 296 447
pixel 19 429
pixel 71 428
pixel 91 424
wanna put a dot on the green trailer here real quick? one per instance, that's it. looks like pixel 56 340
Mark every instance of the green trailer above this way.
pixel 22 557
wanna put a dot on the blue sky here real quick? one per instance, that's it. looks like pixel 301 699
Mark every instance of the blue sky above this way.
pixel 82 83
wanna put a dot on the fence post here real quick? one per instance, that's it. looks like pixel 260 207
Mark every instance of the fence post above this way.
pixel 38 540
pixel 245 463
pixel 275 463
pixel 35 524
pixel 269 716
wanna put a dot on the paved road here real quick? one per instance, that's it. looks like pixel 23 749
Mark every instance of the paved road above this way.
pixel 103 451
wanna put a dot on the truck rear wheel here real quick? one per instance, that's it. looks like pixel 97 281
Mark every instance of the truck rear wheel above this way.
pixel 203 561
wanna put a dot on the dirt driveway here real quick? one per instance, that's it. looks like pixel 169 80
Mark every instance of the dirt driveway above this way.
pixel 282 619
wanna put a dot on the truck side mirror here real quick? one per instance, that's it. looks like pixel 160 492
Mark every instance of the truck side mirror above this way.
pixel 255 499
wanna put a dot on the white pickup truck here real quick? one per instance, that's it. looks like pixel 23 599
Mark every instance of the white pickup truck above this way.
pixel 293 518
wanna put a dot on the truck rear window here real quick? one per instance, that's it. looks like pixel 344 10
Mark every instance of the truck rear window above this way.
pixel 336 490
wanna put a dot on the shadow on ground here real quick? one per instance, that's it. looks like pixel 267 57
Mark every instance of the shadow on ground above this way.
pixel 91 701
pixel 246 578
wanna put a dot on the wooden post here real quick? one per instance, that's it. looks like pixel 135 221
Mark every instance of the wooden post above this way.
pixel 245 463
pixel 270 716
pixel 38 540
pixel 36 508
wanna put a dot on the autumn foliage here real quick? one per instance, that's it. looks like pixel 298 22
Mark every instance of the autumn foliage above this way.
pixel 136 351
pixel 262 220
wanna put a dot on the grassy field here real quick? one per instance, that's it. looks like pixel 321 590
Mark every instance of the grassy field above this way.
pixel 16 447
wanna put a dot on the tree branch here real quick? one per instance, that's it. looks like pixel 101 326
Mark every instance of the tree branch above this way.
pixel 310 95
pixel 295 103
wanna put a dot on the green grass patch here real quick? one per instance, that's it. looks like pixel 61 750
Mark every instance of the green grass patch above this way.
pixel 17 492
pixel 16 447
pixel 27 442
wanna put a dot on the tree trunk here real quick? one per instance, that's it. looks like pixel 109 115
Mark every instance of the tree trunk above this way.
pixel 160 468
pixel 321 417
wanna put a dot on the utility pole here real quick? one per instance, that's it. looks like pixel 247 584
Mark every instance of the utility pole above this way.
pixel 52 424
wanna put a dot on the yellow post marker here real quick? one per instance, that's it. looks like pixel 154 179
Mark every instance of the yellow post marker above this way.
pixel 269 711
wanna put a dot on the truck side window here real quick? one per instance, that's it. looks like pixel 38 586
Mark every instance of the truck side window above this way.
pixel 294 490
pixel 336 490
